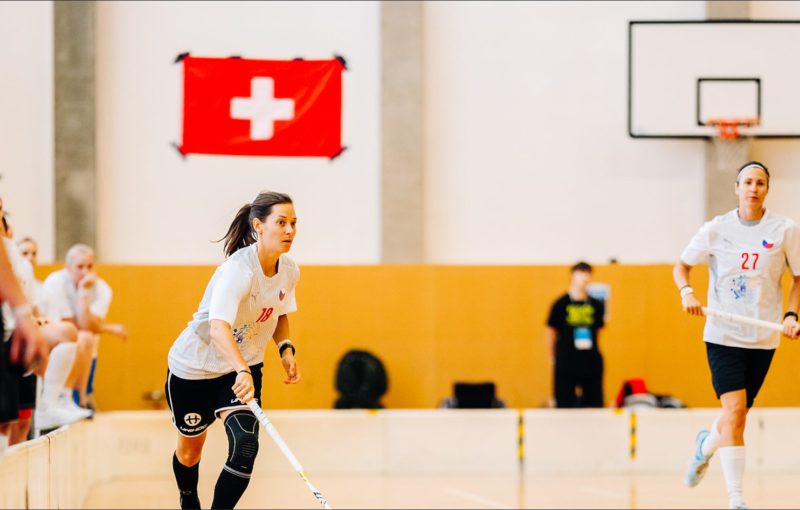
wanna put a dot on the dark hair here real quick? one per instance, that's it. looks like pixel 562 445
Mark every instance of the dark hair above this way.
pixel 240 233
pixel 581 266
pixel 749 164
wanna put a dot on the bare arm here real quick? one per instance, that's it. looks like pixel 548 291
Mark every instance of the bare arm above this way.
pixel 287 359
pixel 86 320
pixel 690 303
pixel 114 329
pixel 551 337
pixel 223 341
pixel 225 344
pixel 27 343
pixel 791 327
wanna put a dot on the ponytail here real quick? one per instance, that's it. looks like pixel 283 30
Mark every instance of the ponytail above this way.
pixel 240 233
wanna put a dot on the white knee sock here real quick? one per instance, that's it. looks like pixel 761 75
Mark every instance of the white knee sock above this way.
pixel 711 441
pixel 3 444
pixel 732 459
pixel 62 357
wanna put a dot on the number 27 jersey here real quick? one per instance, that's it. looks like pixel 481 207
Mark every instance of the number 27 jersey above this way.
pixel 745 263
pixel 240 294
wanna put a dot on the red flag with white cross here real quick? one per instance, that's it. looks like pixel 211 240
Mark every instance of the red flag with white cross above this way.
pixel 250 107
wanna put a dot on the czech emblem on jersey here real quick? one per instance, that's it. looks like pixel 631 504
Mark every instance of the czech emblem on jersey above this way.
pixel 249 107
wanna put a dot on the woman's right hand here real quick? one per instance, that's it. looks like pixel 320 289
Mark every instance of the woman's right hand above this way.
pixel 243 387
pixel 691 305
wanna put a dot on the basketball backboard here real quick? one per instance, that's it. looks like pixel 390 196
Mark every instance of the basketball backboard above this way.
pixel 683 73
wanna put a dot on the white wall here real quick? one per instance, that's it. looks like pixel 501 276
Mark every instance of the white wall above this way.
pixel 26 120
pixel 157 208
pixel 527 154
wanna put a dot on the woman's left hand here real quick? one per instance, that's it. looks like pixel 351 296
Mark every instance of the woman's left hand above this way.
pixel 791 327
pixel 290 365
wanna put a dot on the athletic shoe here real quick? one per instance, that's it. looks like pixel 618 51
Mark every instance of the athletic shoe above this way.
pixel 699 462
pixel 52 417
pixel 738 504
pixel 70 405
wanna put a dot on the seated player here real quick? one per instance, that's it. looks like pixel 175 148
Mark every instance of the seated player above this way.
pixel 77 295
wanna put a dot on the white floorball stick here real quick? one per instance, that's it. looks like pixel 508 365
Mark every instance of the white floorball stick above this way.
pixel 273 433
pixel 741 319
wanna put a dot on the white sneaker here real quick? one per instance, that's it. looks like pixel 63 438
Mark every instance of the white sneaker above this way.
pixel 70 405
pixel 54 416
pixel 698 463
pixel 738 503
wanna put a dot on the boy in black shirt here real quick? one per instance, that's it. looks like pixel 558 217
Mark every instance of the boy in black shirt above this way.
pixel 573 325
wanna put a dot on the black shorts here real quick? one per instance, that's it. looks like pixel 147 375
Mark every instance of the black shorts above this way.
pixel 27 391
pixel 196 403
pixel 736 368
pixel 9 386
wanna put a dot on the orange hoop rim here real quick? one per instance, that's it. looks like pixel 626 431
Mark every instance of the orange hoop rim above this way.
pixel 729 127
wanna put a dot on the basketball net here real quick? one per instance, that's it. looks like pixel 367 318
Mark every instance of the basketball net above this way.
pixel 731 148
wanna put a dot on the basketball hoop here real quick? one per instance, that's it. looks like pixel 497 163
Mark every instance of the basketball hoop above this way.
pixel 729 128
pixel 731 147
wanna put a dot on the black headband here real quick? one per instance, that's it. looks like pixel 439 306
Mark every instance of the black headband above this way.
pixel 752 164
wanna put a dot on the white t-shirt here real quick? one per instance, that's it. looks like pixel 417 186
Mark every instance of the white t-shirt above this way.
pixel 24 273
pixel 59 298
pixel 240 294
pixel 746 261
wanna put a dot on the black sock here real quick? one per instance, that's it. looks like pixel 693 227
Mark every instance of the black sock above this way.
pixel 187 483
pixel 228 490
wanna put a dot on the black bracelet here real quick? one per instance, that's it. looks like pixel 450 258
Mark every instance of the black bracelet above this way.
pixel 245 371
pixel 285 346
pixel 790 314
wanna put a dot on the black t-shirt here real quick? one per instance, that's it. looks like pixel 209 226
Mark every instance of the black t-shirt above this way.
pixel 579 320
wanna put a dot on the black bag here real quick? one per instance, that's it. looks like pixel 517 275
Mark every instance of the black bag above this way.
pixel 361 380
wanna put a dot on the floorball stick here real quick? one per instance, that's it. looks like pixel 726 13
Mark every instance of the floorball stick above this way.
pixel 273 432
pixel 732 317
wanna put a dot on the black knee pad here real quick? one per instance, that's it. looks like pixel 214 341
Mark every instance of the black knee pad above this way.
pixel 242 430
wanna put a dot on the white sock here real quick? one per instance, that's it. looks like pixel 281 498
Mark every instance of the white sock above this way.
pixel 3 444
pixel 732 460
pixel 711 442
pixel 62 357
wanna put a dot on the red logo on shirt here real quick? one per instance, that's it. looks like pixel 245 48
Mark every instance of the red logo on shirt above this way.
pixel 766 244
pixel 265 314
pixel 281 295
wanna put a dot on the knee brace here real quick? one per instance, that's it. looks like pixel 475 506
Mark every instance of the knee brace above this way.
pixel 242 430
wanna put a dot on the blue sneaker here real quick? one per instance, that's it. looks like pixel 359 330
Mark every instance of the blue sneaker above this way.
pixel 699 463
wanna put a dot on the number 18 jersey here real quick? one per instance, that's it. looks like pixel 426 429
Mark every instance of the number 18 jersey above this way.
pixel 240 294
pixel 745 263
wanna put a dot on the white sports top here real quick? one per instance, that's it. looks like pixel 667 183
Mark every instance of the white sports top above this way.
pixel 746 261
pixel 240 294
pixel 59 299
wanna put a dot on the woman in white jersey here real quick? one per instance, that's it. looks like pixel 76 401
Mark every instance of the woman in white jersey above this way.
pixel 215 364
pixel 747 251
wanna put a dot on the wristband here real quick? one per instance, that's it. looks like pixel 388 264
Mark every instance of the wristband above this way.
pixel 245 371
pixel 686 290
pixel 283 345
pixel 790 314
pixel 24 309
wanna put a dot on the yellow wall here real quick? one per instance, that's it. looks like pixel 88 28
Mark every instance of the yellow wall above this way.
pixel 431 326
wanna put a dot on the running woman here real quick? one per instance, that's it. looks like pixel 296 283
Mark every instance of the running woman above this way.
pixel 747 250
pixel 215 364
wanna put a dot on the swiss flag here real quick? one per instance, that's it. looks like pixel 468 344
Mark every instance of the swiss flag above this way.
pixel 262 107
